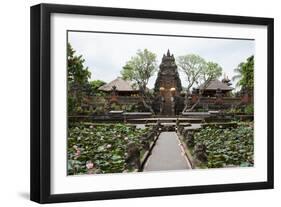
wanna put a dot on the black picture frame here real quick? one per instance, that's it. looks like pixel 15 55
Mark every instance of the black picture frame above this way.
pixel 40 102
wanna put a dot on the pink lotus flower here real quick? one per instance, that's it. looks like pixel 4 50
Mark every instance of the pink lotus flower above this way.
pixel 77 153
pixel 89 165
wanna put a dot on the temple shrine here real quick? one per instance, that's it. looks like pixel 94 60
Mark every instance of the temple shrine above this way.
pixel 169 98
pixel 168 86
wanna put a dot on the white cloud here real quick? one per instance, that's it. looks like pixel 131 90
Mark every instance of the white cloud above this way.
pixel 105 54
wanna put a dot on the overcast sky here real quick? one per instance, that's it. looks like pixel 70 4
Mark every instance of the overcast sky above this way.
pixel 105 54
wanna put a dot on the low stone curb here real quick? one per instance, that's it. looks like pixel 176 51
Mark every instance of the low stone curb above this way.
pixel 187 152
pixel 148 152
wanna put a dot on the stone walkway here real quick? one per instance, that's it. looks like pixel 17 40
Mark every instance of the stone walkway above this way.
pixel 167 154
pixel 194 126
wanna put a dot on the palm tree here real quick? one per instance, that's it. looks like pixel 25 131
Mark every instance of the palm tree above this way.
pixel 245 74
pixel 239 74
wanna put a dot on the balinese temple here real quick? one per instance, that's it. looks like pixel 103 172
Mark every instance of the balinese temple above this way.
pixel 168 99
pixel 168 85
pixel 168 76
pixel 120 87
pixel 213 87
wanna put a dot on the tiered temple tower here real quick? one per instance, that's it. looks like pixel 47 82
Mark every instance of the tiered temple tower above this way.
pixel 168 83
pixel 168 76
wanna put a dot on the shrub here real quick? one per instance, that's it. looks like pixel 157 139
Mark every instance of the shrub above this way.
pixel 249 109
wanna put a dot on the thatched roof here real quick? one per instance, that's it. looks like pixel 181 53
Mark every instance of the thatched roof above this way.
pixel 214 85
pixel 120 84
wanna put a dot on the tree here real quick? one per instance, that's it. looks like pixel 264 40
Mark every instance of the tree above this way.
pixel 76 71
pixel 95 84
pixel 211 71
pixel 245 74
pixel 238 75
pixel 197 69
pixel 140 68
pixel 192 65
pixel 77 78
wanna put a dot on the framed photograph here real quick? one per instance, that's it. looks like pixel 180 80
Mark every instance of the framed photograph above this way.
pixel 133 103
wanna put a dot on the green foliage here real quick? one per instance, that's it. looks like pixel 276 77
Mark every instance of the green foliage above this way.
pixel 95 84
pixel 77 73
pixel 101 104
pixel 124 107
pixel 140 68
pixel 227 147
pixel 197 69
pixel 115 107
pixel 201 110
pixel 131 107
pixel 245 74
pixel 249 109
pixel 105 146
pixel 71 104
pixel 211 71
pixel 192 65
pixel 234 111
pixel 77 79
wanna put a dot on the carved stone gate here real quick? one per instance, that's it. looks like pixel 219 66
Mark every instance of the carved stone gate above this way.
pixel 168 84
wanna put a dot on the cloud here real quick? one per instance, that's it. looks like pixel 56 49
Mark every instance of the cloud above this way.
pixel 105 54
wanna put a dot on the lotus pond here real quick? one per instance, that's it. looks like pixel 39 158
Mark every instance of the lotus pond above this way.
pixel 101 148
pixel 226 147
